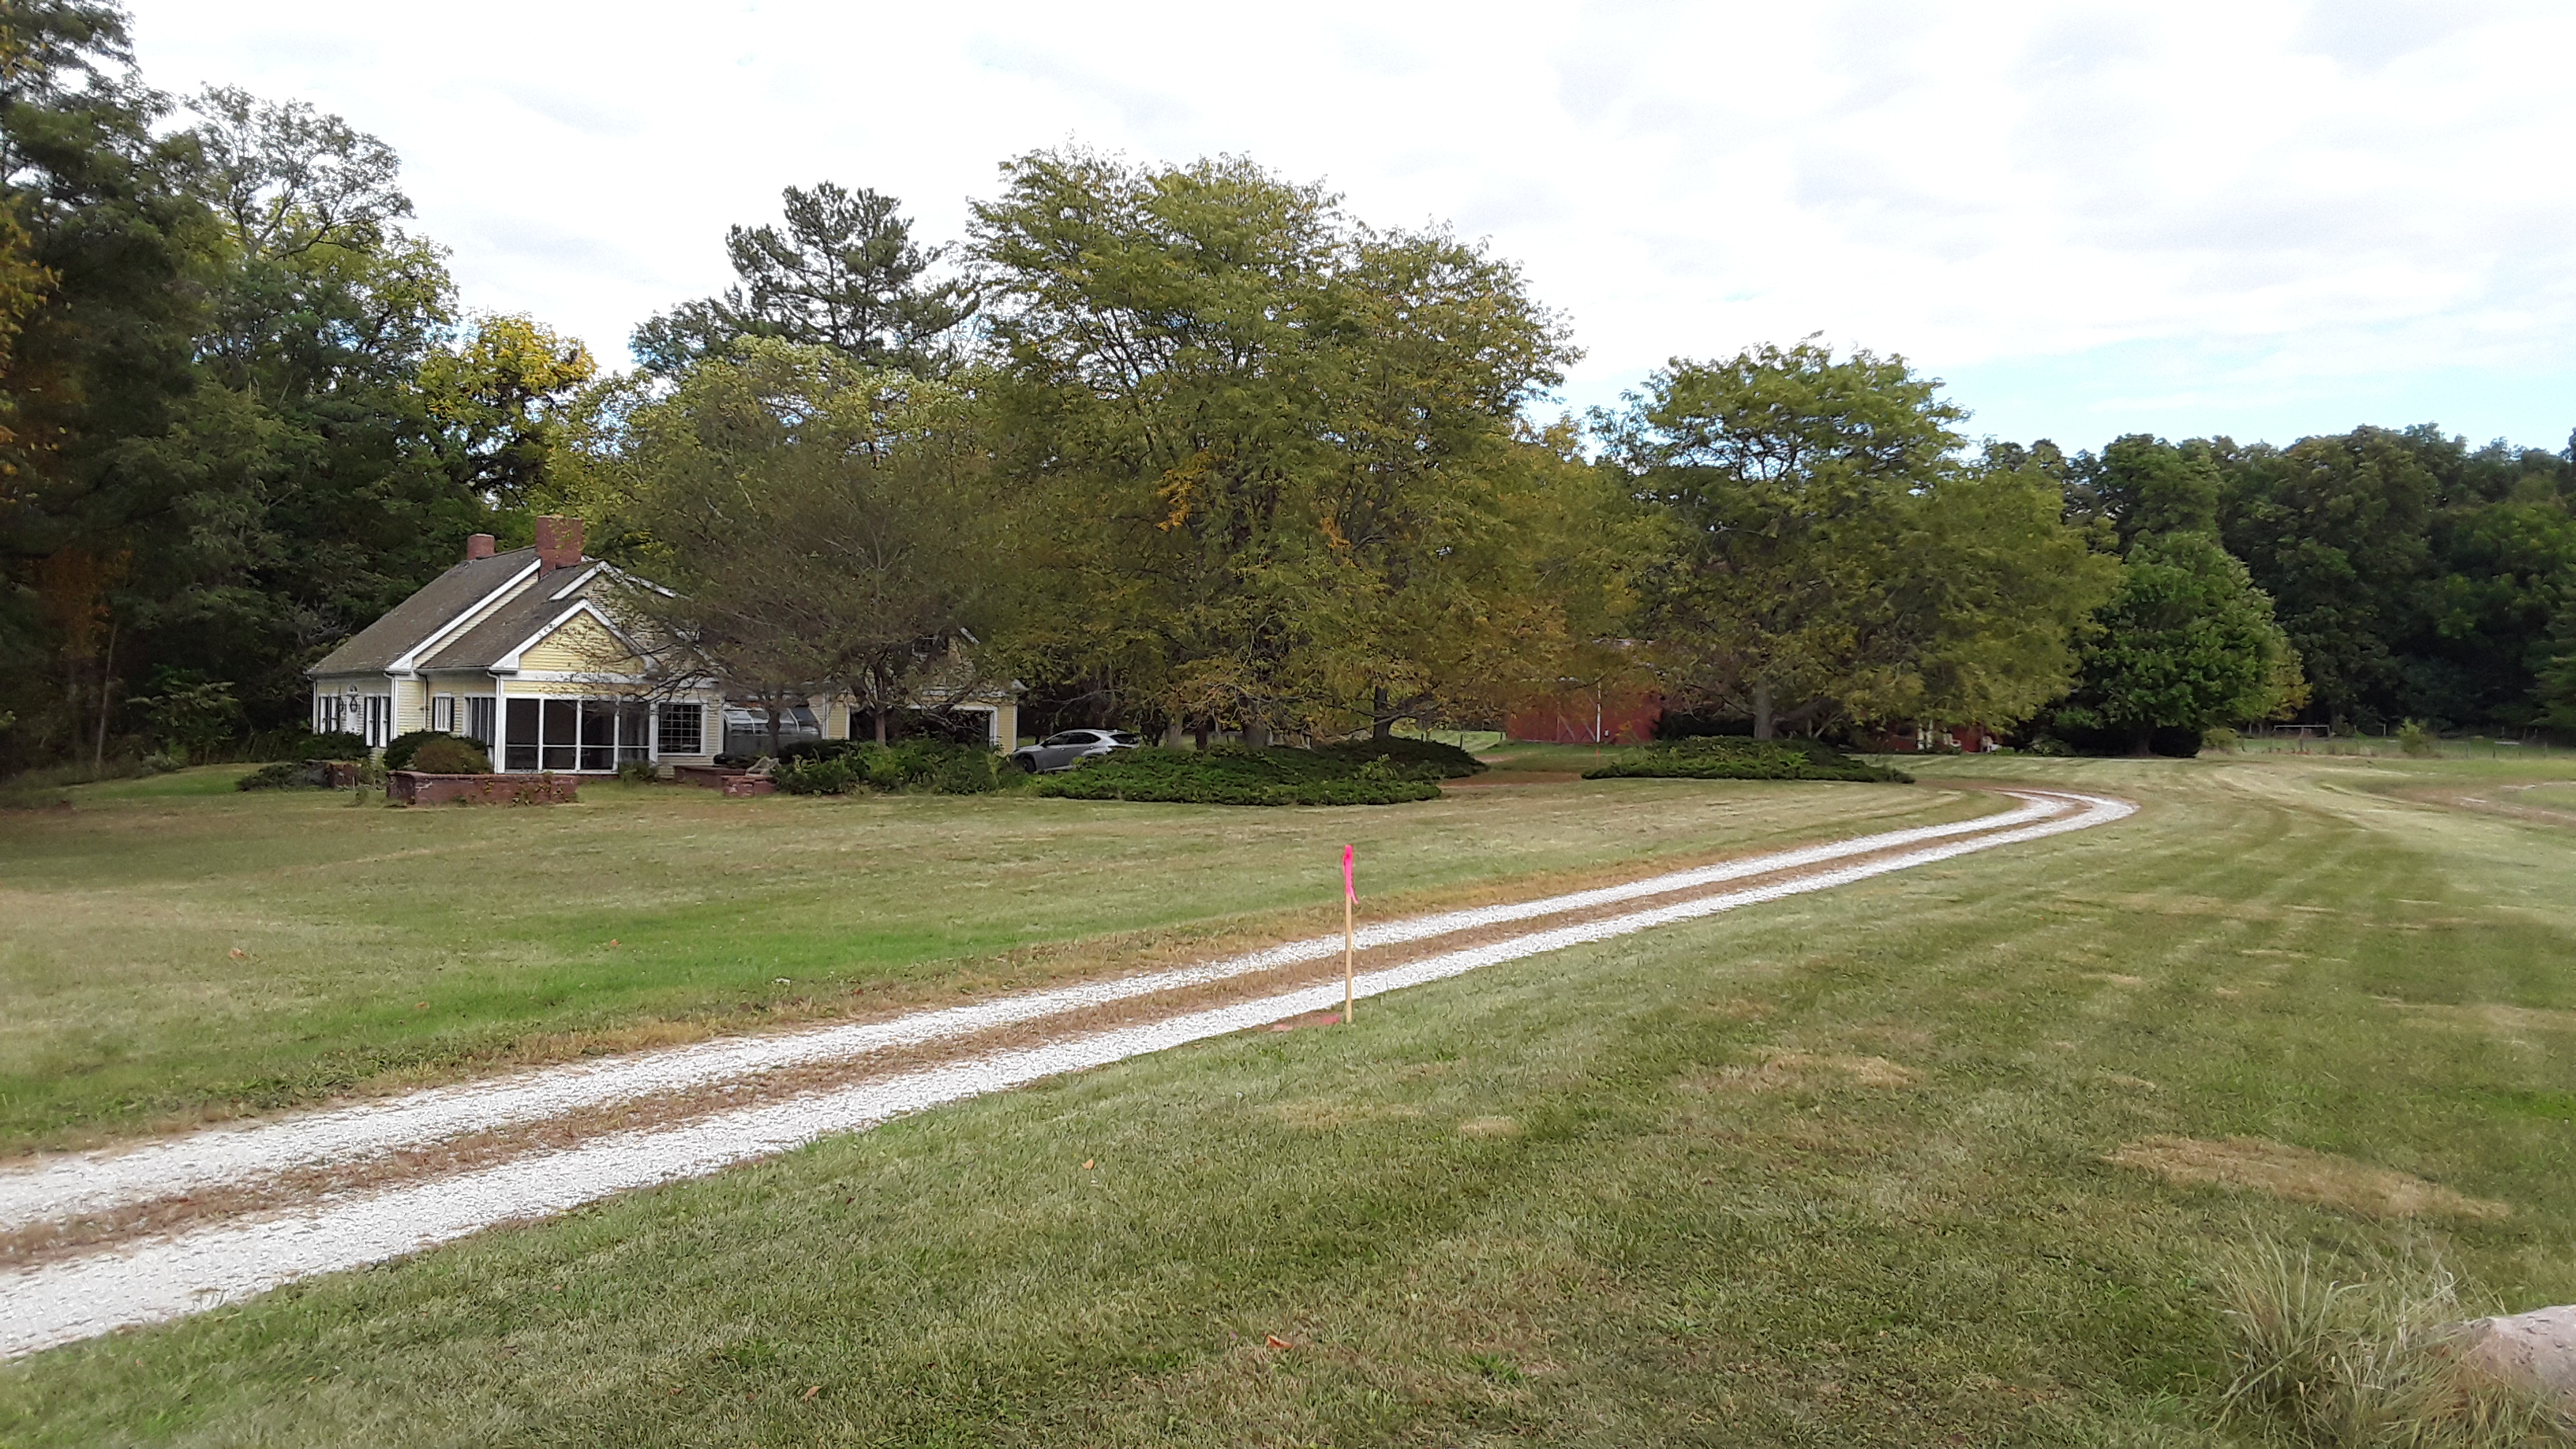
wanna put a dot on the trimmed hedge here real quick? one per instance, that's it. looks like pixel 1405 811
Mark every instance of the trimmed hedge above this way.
pixel 843 767
pixel 1733 757
pixel 1277 775
pixel 1451 762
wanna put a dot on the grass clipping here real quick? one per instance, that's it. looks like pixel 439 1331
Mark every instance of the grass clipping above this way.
pixel 1729 757
pixel 2374 1359
pixel 1277 775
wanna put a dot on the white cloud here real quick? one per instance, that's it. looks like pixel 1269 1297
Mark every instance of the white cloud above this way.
pixel 2264 219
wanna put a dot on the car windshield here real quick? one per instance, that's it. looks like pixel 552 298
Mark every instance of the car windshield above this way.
pixel 1121 737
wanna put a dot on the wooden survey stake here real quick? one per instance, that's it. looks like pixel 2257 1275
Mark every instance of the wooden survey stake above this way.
pixel 1350 939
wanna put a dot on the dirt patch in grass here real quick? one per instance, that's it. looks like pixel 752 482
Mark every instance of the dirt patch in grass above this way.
pixel 2505 800
pixel 2300 1175
pixel 1786 1070
pixel 2503 1021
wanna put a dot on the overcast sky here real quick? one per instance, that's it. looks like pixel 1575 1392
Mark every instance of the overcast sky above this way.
pixel 2091 219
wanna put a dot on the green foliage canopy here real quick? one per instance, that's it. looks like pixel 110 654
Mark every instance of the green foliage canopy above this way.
pixel 1828 558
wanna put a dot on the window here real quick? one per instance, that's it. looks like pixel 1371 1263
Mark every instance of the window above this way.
pixel 376 716
pixel 684 729
pixel 442 713
pixel 478 719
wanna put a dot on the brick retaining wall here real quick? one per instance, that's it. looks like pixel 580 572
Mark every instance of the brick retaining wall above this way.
pixel 411 787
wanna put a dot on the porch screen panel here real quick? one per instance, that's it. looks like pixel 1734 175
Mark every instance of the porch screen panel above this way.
pixel 521 751
pixel 599 734
pixel 634 732
pixel 563 735
pixel 478 719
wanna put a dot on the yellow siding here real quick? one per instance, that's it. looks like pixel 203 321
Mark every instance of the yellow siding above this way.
pixel 411 705
pixel 581 646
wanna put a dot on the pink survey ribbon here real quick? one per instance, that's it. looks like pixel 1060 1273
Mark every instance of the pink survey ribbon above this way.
pixel 1350 891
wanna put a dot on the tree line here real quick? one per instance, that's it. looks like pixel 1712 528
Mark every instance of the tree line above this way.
pixel 1188 447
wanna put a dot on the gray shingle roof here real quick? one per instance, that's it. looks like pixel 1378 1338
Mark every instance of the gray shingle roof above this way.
pixel 510 625
pixel 436 604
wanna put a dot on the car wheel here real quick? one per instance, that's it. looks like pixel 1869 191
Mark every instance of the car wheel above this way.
pixel 1027 765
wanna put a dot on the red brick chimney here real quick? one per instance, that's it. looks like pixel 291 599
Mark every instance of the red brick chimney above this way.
pixel 558 543
pixel 477 545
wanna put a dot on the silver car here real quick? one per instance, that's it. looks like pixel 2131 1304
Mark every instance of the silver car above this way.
pixel 1067 748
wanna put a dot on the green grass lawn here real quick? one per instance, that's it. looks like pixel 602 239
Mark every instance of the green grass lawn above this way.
pixel 178 949
pixel 1828 1171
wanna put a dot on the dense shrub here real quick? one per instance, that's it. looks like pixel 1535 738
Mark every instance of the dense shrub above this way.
pixel 447 755
pixel 2416 738
pixel 1451 762
pixel 638 772
pixel 398 751
pixel 1733 757
pixel 1236 776
pixel 841 767
pixel 304 744
pixel 282 775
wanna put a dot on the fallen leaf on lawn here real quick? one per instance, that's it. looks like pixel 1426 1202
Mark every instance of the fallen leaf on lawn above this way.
pixel 612 940
pixel 239 954
pixel 809 1393
pixel 420 1006
pixel 1086 1164
pixel 1275 1341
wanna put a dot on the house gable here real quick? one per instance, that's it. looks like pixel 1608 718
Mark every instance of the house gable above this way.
pixel 580 641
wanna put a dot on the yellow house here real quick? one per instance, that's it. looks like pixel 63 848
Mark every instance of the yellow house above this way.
pixel 522 651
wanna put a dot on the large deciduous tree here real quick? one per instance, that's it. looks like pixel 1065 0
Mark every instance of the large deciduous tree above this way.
pixel 815 523
pixel 1827 556
pixel 2187 643
pixel 1275 449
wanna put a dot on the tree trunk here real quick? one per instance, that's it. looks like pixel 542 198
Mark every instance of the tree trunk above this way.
pixel 1381 725
pixel 106 681
pixel 1256 734
pixel 1762 711
pixel 1201 730
pixel 1172 733
pixel 2143 741
pixel 880 713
